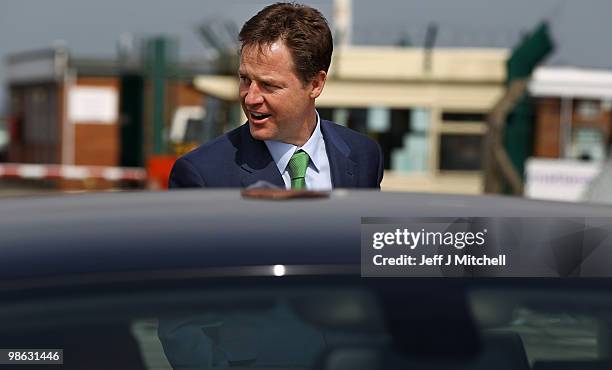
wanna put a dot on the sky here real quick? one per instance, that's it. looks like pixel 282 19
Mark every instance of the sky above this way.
pixel 91 28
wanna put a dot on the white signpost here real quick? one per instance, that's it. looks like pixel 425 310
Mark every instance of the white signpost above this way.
pixel 559 179
pixel 93 105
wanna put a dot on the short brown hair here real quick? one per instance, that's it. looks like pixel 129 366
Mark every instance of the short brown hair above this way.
pixel 303 29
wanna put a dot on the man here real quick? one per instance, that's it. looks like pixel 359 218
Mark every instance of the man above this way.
pixel 285 55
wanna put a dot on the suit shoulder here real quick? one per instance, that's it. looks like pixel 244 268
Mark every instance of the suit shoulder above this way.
pixel 364 151
pixel 349 135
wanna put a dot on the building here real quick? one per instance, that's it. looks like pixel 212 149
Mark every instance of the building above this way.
pixel 572 138
pixel 573 112
pixel 427 109
pixel 74 111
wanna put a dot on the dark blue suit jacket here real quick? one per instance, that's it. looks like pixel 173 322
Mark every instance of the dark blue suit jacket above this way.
pixel 236 159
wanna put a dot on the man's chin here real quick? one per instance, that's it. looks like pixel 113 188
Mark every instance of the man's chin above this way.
pixel 261 133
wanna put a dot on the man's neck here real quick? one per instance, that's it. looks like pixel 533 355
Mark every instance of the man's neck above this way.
pixel 307 128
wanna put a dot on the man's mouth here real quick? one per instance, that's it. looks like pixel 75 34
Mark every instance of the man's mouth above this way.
pixel 259 116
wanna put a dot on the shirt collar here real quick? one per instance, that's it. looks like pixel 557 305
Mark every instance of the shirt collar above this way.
pixel 282 152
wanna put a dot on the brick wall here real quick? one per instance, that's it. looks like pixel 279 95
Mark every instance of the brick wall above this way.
pixel 547 128
pixel 97 143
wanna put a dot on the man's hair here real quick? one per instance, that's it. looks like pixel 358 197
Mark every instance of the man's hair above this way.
pixel 303 29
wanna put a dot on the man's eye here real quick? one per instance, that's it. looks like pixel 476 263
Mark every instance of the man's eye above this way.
pixel 244 80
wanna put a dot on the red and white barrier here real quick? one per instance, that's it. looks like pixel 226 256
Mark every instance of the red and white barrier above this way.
pixel 69 172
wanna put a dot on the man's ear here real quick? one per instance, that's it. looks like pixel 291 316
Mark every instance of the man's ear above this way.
pixel 317 83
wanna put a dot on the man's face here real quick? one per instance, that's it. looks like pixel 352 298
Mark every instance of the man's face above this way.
pixel 278 105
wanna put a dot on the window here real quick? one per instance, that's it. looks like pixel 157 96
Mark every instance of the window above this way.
pixel 460 152
pixel 459 117
pixel 587 144
pixel 401 133
pixel 588 109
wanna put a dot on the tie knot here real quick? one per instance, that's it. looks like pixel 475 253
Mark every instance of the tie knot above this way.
pixel 297 169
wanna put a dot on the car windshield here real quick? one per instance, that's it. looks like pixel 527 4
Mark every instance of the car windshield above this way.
pixel 315 327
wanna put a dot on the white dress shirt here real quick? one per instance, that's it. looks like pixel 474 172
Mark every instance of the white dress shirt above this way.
pixel 318 175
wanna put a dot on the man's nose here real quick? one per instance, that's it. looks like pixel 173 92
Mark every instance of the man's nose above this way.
pixel 253 96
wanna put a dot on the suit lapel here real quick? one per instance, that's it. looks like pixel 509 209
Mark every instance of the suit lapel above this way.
pixel 342 167
pixel 256 162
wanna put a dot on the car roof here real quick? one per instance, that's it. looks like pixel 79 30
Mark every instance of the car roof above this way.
pixel 146 231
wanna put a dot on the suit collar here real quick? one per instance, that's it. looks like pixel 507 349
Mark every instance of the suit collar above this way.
pixel 342 167
pixel 256 162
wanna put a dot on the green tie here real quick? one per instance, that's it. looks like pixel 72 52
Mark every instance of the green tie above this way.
pixel 297 169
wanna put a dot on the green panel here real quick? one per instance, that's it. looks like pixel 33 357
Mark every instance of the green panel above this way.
pixel 529 53
pixel 161 55
pixel 158 79
pixel 131 150
pixel 518 139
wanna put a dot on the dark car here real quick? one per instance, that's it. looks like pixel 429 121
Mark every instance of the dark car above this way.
pixel 199 279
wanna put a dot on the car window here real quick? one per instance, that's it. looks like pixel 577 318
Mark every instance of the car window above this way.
pixel 558 328
pixel 555 336
pixel 316 326
pixel 265 328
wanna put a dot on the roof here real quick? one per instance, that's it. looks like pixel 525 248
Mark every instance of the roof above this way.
pixel 148 231
pixel 43 65
pixel 571 82
pixel 470 78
